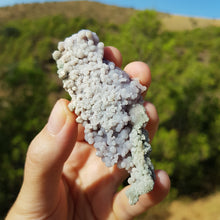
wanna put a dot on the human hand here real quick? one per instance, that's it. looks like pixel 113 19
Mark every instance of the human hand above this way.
pixel 65 180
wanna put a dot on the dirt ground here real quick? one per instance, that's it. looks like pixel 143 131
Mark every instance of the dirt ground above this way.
pixel 206 208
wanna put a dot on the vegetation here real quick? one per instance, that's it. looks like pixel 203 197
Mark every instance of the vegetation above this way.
pixel 185 89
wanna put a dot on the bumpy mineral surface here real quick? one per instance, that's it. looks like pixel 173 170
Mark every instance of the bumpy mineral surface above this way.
pixel 110 106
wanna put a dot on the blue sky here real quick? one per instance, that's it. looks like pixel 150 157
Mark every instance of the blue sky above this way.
pixel 195 8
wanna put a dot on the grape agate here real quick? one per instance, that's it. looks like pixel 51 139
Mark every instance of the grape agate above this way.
pixel 110 107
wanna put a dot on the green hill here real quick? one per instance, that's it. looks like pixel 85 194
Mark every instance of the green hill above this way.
pixel 185 86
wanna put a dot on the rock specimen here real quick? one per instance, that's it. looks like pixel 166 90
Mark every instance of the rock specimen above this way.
pixel 110 107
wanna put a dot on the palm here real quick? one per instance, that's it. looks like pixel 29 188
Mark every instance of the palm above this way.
pixel 91 184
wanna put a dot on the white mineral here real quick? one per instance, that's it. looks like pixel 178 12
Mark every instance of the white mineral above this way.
pixel 110 106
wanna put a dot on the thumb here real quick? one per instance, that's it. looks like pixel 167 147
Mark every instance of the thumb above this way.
pixel 48 152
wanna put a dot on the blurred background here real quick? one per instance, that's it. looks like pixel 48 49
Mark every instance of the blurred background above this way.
pixel 182 48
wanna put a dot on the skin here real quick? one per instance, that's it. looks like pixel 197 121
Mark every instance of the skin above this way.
pixel 64 179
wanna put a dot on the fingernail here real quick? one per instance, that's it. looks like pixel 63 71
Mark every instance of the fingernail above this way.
pixel 57 119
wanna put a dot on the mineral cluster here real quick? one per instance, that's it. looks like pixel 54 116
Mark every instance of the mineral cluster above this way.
pixel 110 107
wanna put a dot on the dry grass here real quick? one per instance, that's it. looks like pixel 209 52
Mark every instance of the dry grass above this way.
pixel 178 23
pixel 205 208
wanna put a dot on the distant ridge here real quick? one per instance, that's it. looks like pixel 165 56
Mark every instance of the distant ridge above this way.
pixel 102 12
pixel 87 9
pixel 178 23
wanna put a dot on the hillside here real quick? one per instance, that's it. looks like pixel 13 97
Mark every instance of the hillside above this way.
pixel 69 9
pixel 95 10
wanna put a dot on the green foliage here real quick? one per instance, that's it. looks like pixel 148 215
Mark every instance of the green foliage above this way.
pixel 23 112
pixel 143 23
pixel 185 89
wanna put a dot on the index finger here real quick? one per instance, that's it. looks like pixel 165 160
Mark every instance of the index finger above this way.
pixel 139 70
pixel 114 55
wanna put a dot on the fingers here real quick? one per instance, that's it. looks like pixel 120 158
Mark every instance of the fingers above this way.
pixel 153 122
pixel 49 150
pixel 139 70
pixel 114 55
pixel 123 210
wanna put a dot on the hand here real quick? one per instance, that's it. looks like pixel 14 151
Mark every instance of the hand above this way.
pixel 65 180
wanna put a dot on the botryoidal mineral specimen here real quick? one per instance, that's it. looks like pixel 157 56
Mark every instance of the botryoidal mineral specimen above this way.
pixel 110 107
